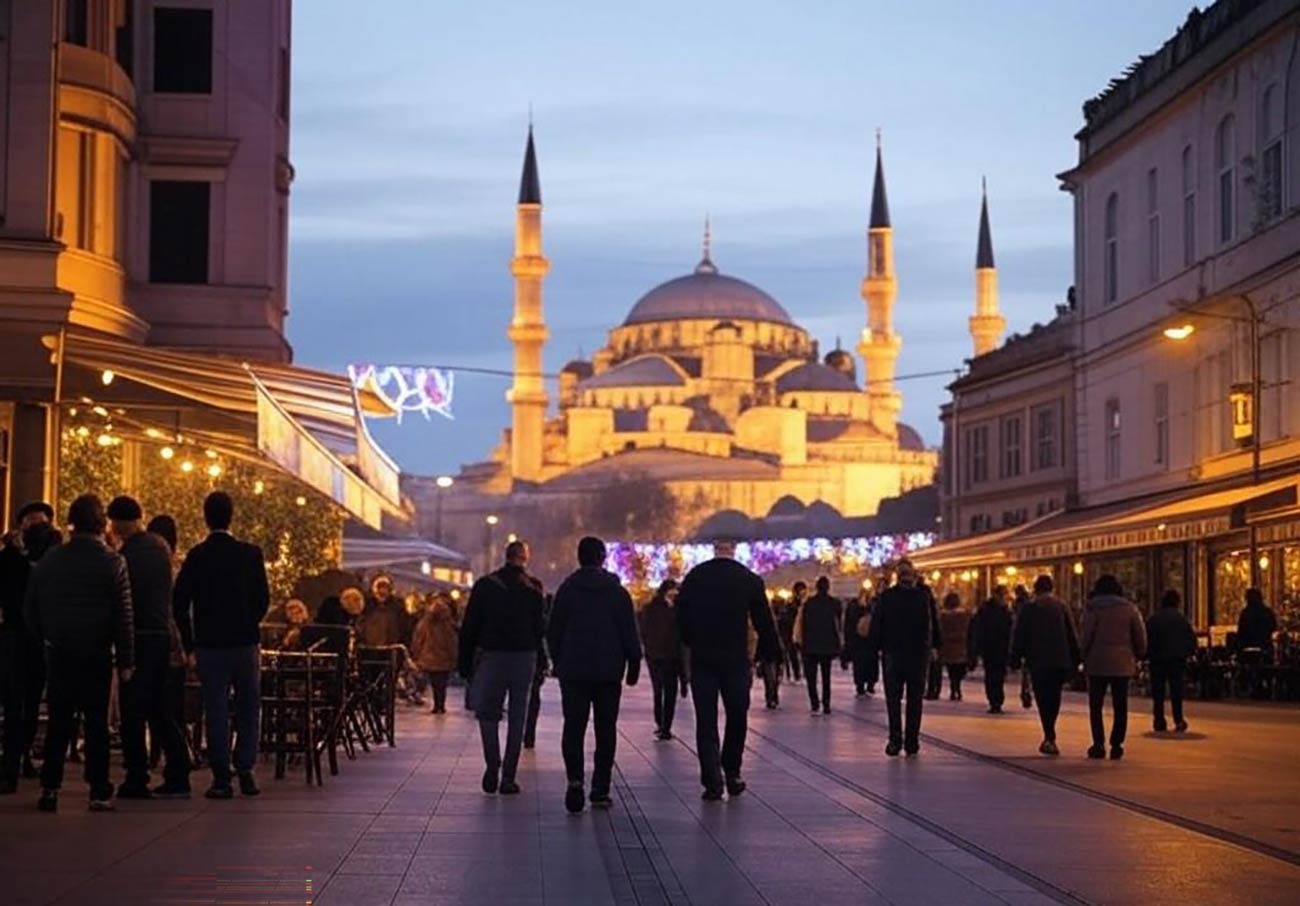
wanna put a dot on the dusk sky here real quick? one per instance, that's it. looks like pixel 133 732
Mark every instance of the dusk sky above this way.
pixel 408 134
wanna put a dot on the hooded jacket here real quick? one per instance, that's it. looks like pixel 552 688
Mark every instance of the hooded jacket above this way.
pixel 1114 636
pixel 593 635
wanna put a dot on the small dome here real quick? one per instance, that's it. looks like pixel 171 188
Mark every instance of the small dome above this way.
pixel 909 438
pixel 843 362
pixel 706 294
pixel 815 377
pixel 578 367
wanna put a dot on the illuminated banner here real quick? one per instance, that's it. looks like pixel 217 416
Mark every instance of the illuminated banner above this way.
pixel 1242 402
pixel 427 391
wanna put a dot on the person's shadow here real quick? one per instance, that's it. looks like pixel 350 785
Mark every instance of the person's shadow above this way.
pixel 1175 737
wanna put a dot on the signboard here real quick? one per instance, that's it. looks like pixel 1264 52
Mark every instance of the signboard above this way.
pixel 404 389
pixel 1242 403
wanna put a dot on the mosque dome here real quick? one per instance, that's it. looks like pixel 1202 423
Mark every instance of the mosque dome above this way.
pixel 841 361
pixel 706 295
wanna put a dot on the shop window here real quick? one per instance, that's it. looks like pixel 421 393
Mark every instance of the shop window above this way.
pixel 1225 149
pixel 1189 208
pixel 1011 459
pixel 1113 440
pixel 178 231
pixel 182 50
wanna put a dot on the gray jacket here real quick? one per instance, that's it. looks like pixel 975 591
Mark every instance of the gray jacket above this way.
pixel 1114 637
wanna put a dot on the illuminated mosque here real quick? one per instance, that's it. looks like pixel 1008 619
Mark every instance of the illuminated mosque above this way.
pixel 711 388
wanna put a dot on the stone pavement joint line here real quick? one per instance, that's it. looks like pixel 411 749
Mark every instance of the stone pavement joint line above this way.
pixel 656 882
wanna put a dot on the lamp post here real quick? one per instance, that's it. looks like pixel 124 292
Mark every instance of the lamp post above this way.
pixel 1254 318
pixel 442 483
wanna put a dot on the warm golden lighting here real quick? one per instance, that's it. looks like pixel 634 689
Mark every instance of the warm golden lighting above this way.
pixel 83 431
pixel 152 432
pixel 934 576
pixel 512 538
pixel 301 500
pixel 866 585
pixel 1263 562
pixel 1011 570
pixel 210 454
pixel 492 519
pixel 187 467
pixel 166 452
pixel 214 471
pixel 1181 332
pixel 1078 567
pixel 1160 527
pixel 105 440
pixel 426 567
pixel 258 486
pixel 107 376
pixel 100 411
pixel 455 594
pixel 444 481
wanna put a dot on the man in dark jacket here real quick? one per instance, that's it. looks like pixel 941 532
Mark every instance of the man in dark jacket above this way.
pixel 499 640
pixel 905 630
pixel 149 566
pixel 786 613
pixel 1255 628
pixel 1046 642
pixel 822 641
pixel 663 654
pixel 720 599
pixel 78 603
pixel 22 657
pixel 1170 642
pixel 593 639
pixel 857 652
pixel 221 596
pixel 990 643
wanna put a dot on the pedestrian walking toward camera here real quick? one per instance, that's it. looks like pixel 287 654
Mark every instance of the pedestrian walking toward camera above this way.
pixel 499 639
pixel 1170 642
pixel 823 635
pixel 786 614
pixel 220 599
pixel 434 648
pixel 1114 640
pixel 1045 645
pixel 662 641
pixel 593 639
pixel 905 630
pixel 858 653
pixel 990 644
pixel 720 600
pixel 78 603
pixel 144 698
pixel 954 626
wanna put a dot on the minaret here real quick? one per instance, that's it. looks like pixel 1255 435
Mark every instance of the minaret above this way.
pixel 987 324
pixel 527 396
pixel 879 345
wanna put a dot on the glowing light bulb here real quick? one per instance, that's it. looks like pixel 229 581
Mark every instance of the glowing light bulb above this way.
pixel 83 431
pixel 210 454
pixel 106 377
pixel 444 481
pixel 166 452
pixel 104 440
pixel 258 486
pixel 214 471
pixel 301 500
pixel 1181 332
pixel 1263 562
pixel 1078 568
pixel 187 466
pixel 426 567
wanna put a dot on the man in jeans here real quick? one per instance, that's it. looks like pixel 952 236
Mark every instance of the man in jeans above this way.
pixel 220 598
pixel 593 640
pixel 718 603
pixel 905 630
pixel 78 602
pixel 1045 640
pixel 499 640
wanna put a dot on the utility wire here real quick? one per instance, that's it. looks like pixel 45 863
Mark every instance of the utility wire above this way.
pixel 550 375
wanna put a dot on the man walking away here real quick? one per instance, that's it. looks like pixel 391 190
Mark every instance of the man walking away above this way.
pixel 954 625
pixel 663 654
pixel 22 657
pixel 905 630
pixel 593 639
pixel 144 701
pixel 1021 598
pixel 1255 629
pixel 1114 640
pixel 1046 644
pixel 857 653
pixel 990 643
pixel 719 601
pixel 78 602
pixel 220 599
pixel 504 625
pixel 822 642
pixel 1170 642
pixel 541 670
pixel 787 613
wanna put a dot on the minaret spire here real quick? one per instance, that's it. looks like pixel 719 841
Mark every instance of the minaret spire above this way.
pixel 879 345
pixel 706 265
pixel 527 332
pixel 987 324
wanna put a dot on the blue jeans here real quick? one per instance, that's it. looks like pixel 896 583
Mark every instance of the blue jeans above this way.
pixel 219 670
pixel 498 674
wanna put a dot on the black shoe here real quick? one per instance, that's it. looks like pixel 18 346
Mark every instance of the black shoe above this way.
pixel 994 709
pixel 912 750
pixel 1096 752
pixel 861 693
pixel 1160 727
pixel 131 791
pixel 666 735
pixel 826 709
pixel 1180 726
pixel 102 803
pixel 573 798
pixel 491 780
pixel 220 791
pixel 509 788
pixel 816 709
pixel 1116 753
pixel 735 786
pixel 600 799
pixel 168 791
pixel 248 784
pixel 49 801
pixel 1049 747
pixel 711 794
pixel 893 749
pixel 29 771
pixel 1026 702
pixel 871 689
pixel 528 743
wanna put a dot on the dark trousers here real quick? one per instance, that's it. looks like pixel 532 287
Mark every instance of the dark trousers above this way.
pixel 1097 687
pixel 812 664
pixel 665 674
pixel 771 674
pixel 995 678
pixel 1167 673
pixel 500 674
pixel 144 702
pixel 905 675
pixel 933 678
pixel 579 701
pixel 23 683
pixel 534 708
pixel 956 673
pixel 1048 688
pixel 731 683
pixel 793 660
pixel 77 684
pixel 220 670
pixel 438 680
pixel 173 713
pixel 866 667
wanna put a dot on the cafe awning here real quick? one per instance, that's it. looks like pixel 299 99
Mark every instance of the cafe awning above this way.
pixel 408 557
pixel 307 423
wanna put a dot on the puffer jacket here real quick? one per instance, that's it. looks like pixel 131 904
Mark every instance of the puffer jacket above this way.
pixel 78 601
pixel 433 643
pixel 1114 637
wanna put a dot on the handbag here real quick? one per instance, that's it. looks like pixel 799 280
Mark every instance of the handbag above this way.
pixel 863 626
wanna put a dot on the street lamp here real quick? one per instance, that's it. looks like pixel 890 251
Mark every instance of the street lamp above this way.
pixel 488 524
pixel 441 483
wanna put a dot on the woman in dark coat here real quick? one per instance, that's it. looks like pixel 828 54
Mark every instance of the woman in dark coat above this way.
pixel 662 643
pixel 857 652
pixel 823 639
pixel 990 643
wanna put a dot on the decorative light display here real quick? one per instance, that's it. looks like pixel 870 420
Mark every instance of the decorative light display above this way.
pixel 652 563
pixel 427 391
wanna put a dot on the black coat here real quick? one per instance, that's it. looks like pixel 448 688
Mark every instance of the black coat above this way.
pixel 1255 627
pixel 149 564
pixel 905 622
pixel 659 633
pixel 719 600
pixel 1044 636
pixel 78 600
pixel 506 612
pixel 990 633
pixel 822 629
pixel 854 611
pixel 1169 636
pixel 221 594
pixel 592 635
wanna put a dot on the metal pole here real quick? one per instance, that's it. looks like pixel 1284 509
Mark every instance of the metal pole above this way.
pixel 437 516
pixel 56 421
pixel 1256 391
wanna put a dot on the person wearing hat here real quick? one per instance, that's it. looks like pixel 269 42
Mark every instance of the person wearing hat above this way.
pixel 21 656
pixel 149 566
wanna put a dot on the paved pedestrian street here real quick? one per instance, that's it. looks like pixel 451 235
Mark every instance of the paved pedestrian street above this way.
pixel 978 818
